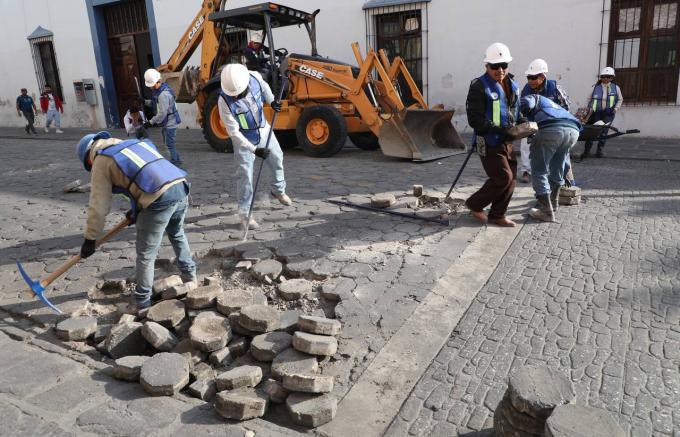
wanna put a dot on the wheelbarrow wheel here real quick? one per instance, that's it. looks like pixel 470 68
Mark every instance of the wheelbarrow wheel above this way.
pixel 321 131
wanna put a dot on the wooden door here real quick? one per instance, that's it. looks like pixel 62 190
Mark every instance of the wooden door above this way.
pixel 126 75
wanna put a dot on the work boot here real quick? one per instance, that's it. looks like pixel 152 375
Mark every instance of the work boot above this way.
pixel 504 222
pixel 526 178
pixel 59 131
pixel 555 197
pixel 544 211
pixel 283 198
pixel 47 130
pixel 479 215
pixel 599 153
pixel 252 224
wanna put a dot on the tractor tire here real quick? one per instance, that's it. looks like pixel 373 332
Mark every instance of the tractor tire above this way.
pixel 213 130
pixel 365 140
pixel 287 139
pixel 321 131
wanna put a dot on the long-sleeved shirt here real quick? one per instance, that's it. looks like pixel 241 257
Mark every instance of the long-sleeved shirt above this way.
pixel 238 139
pixel 619 102
pixel 130 125
pixel 475 106
pixel 165 110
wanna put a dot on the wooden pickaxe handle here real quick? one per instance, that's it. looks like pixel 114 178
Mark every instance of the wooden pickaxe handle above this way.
pixel 74 259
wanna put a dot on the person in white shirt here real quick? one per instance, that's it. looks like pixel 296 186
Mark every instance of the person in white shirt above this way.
pixel 134 122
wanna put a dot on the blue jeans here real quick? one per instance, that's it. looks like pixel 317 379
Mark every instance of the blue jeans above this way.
pixel 53 114
pixel 549 151
pixel 151 223
pixel 244 161
pixel 169 141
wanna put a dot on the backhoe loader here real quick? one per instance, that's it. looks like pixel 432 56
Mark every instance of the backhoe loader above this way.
pixel 324 102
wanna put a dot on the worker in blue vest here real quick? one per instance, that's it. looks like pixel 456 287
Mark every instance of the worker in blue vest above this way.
pixel 167 115
pixel 241 106
pixel 157 191
pixel 605 101
pixel 492 110
pixel 538 83
pixel 558 131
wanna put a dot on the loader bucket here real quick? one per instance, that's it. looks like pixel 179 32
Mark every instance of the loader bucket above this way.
pixel 185 84
pixel 420 135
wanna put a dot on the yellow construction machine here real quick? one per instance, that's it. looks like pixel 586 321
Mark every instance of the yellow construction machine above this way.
pixel 324 102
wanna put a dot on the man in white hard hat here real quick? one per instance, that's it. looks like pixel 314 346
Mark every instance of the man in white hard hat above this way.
pixel 241 102
pixel 255 52
pixel 605 100
pixel 167 115
pixel 492 109
pixel 538 83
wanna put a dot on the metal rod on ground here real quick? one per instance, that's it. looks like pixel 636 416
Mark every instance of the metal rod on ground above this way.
pixel 460 172
pixel 259 171
pixel 444 222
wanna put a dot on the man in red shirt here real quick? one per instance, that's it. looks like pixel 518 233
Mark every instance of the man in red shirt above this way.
pixel 50 104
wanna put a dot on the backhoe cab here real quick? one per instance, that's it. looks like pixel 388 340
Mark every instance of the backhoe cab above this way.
pixel 325 101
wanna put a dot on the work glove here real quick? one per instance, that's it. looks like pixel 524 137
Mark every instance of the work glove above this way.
pixel 131 216
pixel 261 152
pixel 147 124
pixel 87 249
pixel 276 106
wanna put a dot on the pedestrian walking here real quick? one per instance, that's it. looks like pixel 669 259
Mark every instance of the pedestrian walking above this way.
pixel 134 121
pixel 26 107
pixel 538 83
pixel 241 102
pixel 492 109
pixel 158 196
pixel 167 115
pixel 558 131
pixel 51 105
pixel 605 101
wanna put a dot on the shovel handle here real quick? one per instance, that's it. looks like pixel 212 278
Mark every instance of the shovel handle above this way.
pixel 74 259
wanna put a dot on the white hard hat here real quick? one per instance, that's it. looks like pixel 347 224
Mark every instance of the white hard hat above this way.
pixel 234 79
pixel 151 77
pixel 537 66
pixel 256 36
pixel 607 71
pixel 497 53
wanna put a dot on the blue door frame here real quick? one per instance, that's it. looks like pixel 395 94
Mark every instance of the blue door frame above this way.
pixel 95 13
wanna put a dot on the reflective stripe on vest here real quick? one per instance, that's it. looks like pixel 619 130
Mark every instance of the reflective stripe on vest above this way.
pixel 600 103
pixel 497 107
pixel 141 163
pixel 241 109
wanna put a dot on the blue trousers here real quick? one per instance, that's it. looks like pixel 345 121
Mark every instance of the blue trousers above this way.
pixel 169 140
pixel 549 153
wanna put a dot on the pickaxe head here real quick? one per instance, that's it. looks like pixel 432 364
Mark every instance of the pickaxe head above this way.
pixel 36 288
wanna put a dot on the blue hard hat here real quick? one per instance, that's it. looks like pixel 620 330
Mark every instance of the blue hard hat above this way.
pixel 527 103
pixel 83 147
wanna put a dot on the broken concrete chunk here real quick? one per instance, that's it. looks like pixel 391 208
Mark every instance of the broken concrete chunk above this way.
pixel 221 357
pixel 244 264
pixel 168 313
pixel 577 420
pixel 233 300
pixel 210 331
pixel 202 371
pixel 239 346
pixel 537 390
pixel 268 268
pixel 265 347
pixel 160 285
pixel 178 291
pixel 204 389
pixel 71 186
pixel 383 200
pixel 291 361
pixel 101 333
pixel 311 410
pixel 336 288
pixel 242 376
pixel 308 383
pixel 568 201
pixel 431 197
pixel 76 328
pixel 203 297
pixel 126 318
pixel 128 368
pixel 212 280
pixel 289 321
pixel 164 374
pixel 295 289
pixel 237 328
pixel 259 318
pixel 186 348
pixel 319 325
pixel 570 191
pixel 315 344
pixel 275 390
pixel 241 404
pixel 417 190
pixel 158 336
pixel 125 339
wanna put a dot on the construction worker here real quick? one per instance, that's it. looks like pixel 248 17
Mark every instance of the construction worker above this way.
pixel 134 121
pixel 255 52
pixel 538 83
pixel 26 107
pixel 605 100
pixel 158 195
pixel 241 107
pixel 50 104
pixel 492 109
pixel 167 115
pixel 558 131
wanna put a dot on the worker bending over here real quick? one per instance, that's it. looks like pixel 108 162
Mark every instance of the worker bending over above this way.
pixel 241 107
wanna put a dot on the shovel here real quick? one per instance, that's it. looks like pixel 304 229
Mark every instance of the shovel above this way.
pixel 37 288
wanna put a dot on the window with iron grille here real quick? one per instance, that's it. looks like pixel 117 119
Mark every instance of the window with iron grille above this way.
pixel 401 30
pixel 643 48
pixel 45 61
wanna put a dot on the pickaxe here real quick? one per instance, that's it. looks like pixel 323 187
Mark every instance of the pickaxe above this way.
pixel 38 287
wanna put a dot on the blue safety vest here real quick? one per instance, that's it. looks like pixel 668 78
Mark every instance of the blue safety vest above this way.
pixel 600 102
pixel 155 93
pixel 143 165
pixel 546 112
pixel 548 90
pixel 241 110
pixel 497 110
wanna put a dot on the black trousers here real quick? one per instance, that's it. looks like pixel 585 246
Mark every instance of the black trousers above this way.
pixel 606 117
pixel 30 118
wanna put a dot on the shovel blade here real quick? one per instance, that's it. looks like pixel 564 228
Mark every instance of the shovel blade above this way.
pixel 420 135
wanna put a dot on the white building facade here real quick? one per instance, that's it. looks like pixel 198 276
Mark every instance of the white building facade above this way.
pixel 95 51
